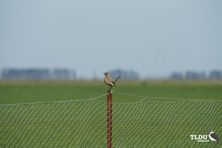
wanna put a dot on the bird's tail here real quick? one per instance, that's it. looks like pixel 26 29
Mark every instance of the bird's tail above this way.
pixel 115 80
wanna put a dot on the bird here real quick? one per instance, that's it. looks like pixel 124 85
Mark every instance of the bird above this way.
pixel 213 136
pixel 109 81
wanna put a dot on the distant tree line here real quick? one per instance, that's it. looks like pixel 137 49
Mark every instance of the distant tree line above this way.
pixel 125 74
pixel 67 74
pixel 57 74
pixel 193 75
pixel 38 74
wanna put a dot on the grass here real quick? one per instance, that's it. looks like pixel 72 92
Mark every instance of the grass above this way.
pixel 35 91
pixel 154 122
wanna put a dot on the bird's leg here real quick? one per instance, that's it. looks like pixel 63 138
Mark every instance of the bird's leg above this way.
pixel 110 88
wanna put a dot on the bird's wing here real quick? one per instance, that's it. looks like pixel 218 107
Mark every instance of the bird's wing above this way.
pixel 108 81
pixel 213 135
pixel 116 79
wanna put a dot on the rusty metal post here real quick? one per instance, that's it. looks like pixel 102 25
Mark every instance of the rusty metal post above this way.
pixel 109 119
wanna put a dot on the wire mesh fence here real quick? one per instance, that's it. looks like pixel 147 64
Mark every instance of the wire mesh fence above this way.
pixel 148 122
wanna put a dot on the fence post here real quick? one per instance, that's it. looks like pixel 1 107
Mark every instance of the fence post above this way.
pixel 109 118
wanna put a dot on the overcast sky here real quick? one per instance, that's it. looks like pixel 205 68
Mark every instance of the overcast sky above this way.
pixel 153 38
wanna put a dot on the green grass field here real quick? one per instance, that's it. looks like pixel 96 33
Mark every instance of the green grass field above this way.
pixel 172 112
pixel 23 92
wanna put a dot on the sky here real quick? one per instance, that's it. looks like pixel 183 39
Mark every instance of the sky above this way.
pixel 153 38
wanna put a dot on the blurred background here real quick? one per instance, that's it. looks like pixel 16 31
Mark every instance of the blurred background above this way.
pixel 82 39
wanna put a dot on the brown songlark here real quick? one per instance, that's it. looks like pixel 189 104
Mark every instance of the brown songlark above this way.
pixel 109 81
